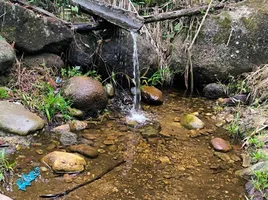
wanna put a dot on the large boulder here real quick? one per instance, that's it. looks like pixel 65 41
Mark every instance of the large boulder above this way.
pixel 229 43
pixel 33 33
pixel 87 94
pixel 7 56
pixel 16 119
pixel 117 54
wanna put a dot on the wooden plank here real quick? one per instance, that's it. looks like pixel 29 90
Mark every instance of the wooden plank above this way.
pixel 120 17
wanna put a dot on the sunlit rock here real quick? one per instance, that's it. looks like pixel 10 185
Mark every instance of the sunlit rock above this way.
pixel 220 144
pixel 63 162
pixel 190 121
pixel 151 95
pixel 14 118
pixel 85 150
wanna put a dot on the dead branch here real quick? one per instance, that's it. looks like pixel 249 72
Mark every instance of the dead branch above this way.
pixel 179 13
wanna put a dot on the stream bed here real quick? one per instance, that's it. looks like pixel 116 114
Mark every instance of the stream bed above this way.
pixel 163 159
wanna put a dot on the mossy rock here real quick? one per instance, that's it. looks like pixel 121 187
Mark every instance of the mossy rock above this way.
pixel 190 121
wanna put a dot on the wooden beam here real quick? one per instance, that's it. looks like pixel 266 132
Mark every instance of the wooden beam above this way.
pixel 120 17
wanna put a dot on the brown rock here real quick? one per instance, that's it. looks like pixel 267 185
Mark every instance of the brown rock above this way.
pixel 85 150
pixel 61 128
pixel 77 125
pixel 151 95
pixel 220 144
pixel 64 162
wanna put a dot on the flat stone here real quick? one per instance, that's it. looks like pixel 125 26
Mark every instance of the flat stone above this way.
pixel 246 160
pixel 61 128
pixel 63 162
pixel 220 144
pixel 223 156
pixel 14 118
pixel 68 138
pixel 77 125
pixel 260 166
pixel 85 150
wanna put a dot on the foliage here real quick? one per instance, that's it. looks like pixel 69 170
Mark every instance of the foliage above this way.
pixel 260 180
pixel 158 78
pixel 256 142
pixel 237 86
pixel 5 166
pixel 71 72
pixel 48 102
pixel 259 155
pixel 94 74
pixel 3 93
pixel 233 127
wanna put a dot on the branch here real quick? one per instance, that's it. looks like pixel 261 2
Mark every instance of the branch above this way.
pixel 179 13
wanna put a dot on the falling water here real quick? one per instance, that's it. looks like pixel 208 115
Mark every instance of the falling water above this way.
pixel 136 73
pixel 136 114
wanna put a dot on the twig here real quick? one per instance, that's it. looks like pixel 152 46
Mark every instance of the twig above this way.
pixel 231 33
pixel 253 133
pixel 48 196
pixel 191 46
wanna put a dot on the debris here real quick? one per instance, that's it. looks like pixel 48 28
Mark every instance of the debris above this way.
pixel 26 179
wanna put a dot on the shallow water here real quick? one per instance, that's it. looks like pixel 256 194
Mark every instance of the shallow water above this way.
pixel 171 166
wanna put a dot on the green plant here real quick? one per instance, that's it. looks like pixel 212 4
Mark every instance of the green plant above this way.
pixel 3 93
pixel 48 102
pixel 260 181
pixel 71 72
pixel 237 86
pixel 233 127
pixel 94 74
pixel 255 142
pixel 259 155
pixel 158 78
pixel 5 166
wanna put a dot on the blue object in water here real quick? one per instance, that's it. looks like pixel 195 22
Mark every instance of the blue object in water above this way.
pixel 26 179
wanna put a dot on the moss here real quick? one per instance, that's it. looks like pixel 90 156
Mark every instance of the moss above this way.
pixel 190 121
pixel 250 23
pixel 9 32
pixel 224 23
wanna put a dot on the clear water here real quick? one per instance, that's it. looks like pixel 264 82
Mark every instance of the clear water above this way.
pixel 136 74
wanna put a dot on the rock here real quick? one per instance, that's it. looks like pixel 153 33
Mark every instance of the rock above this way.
pixel 108 142
pixel 229 118
pixel 85 150
pixel 223 156
pixel 246 160
pixel 7 57
pixel 190 121
pixel 109 90
pixel 220 144
pixel 61 128
pixel 16 119
pixel 227 43
pixel 47 60
pixel 86 93
pixel 82 50
pixel 215 91
pixel 33 33
pixel 151 95
pixel 62 162
pixel 77 125
pixel 76 113
pixel 151 130
pixel 260 166
pixel 194 133
pixel 4 197
pixel 68 138
pixel 117 55
pixel 164 160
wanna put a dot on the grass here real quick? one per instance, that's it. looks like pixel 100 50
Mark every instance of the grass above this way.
pixel 3 93
pixel 5 166
pixel 259 156
pixel 233 127
pixel 260 181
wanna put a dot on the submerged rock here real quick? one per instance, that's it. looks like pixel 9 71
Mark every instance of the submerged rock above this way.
pixel 151 95
pixel 33 33
pixel 190 121
pixel 86 93
pixel 16 119
pixel 215 91
pixel 68 138
pixel 220 144
pixel 62 162
pixel 7 57
pixel 85 150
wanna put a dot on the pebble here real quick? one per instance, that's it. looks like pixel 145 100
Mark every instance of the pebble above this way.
pixel 220 144
pixel 39 151
pixel 101 151
pixel 108 142
pixel 164 160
